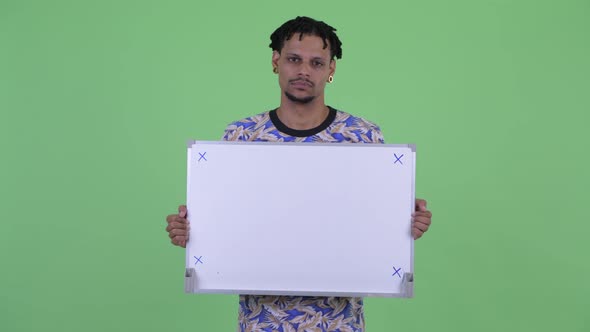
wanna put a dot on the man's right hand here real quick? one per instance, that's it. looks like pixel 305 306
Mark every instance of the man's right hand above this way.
pixel 178 227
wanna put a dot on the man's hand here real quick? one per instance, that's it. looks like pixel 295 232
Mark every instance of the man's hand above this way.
pixel 178 227
pixel 421 219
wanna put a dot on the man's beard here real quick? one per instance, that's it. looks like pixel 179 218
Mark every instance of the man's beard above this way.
pixel 304 100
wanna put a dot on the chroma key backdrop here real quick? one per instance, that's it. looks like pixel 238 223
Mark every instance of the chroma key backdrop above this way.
pixel 98 100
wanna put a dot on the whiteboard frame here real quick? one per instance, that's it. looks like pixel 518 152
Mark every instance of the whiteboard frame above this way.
pixel 406 285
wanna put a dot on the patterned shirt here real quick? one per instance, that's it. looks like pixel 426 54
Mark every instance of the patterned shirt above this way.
pixel 302 313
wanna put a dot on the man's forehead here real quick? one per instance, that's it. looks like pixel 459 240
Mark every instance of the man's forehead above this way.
pixel 307 43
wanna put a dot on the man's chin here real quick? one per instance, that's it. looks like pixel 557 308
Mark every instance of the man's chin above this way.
pixel 299 100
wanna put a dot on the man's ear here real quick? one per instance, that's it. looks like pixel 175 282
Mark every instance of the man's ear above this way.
pixel 332 67
pixel 275 59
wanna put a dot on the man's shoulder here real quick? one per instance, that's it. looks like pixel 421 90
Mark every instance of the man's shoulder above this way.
pixel 251 121
pixel 353 128
pixel 237 130
pixel 353 121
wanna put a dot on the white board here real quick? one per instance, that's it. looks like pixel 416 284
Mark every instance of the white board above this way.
pixel 300 219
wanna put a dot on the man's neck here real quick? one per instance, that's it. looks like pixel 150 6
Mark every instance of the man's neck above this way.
pixel 303 116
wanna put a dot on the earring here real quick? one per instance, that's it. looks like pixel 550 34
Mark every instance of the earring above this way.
pixel 330 79
pixel 275 70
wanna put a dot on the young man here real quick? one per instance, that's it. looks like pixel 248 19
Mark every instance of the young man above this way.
pixel 304 52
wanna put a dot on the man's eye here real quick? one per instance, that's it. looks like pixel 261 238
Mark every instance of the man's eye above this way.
pixel 318 64
pixel 293 59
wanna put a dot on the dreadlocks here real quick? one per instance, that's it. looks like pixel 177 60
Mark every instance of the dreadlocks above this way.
pixel 306 26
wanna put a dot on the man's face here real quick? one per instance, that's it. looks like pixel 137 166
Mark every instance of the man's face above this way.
pixel 304 67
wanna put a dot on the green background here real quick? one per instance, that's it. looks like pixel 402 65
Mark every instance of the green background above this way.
pixel 97 100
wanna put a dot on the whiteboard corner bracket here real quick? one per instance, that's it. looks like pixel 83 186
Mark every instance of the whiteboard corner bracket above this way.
pixel 408 285
pixel 190 280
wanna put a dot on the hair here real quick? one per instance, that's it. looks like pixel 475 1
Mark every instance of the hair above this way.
pixel 306 26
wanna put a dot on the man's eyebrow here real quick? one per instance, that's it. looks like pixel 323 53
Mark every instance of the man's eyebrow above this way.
pixel 313 58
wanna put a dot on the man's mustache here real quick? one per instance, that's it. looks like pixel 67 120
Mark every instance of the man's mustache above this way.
pixel 302 80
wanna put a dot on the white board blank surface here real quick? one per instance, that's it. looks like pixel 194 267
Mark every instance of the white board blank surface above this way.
pixel 300 219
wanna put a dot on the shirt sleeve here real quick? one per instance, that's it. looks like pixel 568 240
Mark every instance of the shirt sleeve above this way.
pixel 233 133
pixel 377 135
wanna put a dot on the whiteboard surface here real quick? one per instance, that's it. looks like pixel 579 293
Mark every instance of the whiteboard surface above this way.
pixel 320 219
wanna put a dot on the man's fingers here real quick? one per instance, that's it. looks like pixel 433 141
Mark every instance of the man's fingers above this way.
pixel 421 226
pixel 417 233
pixel 176 218
pixel 182 211
pixel 176 225
pixel 423 219
pixel 171 218
pixel 424 214
pixel 177 232
pixel 420 204
pixel 179 241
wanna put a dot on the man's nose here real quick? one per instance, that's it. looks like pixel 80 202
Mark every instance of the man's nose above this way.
pixel 304 69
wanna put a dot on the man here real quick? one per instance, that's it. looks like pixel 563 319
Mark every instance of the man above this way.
pixel 304 52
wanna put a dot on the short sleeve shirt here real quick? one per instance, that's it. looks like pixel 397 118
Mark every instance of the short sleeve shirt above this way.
pixel 302 313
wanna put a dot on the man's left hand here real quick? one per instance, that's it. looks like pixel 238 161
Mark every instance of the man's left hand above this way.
pixel 421 219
